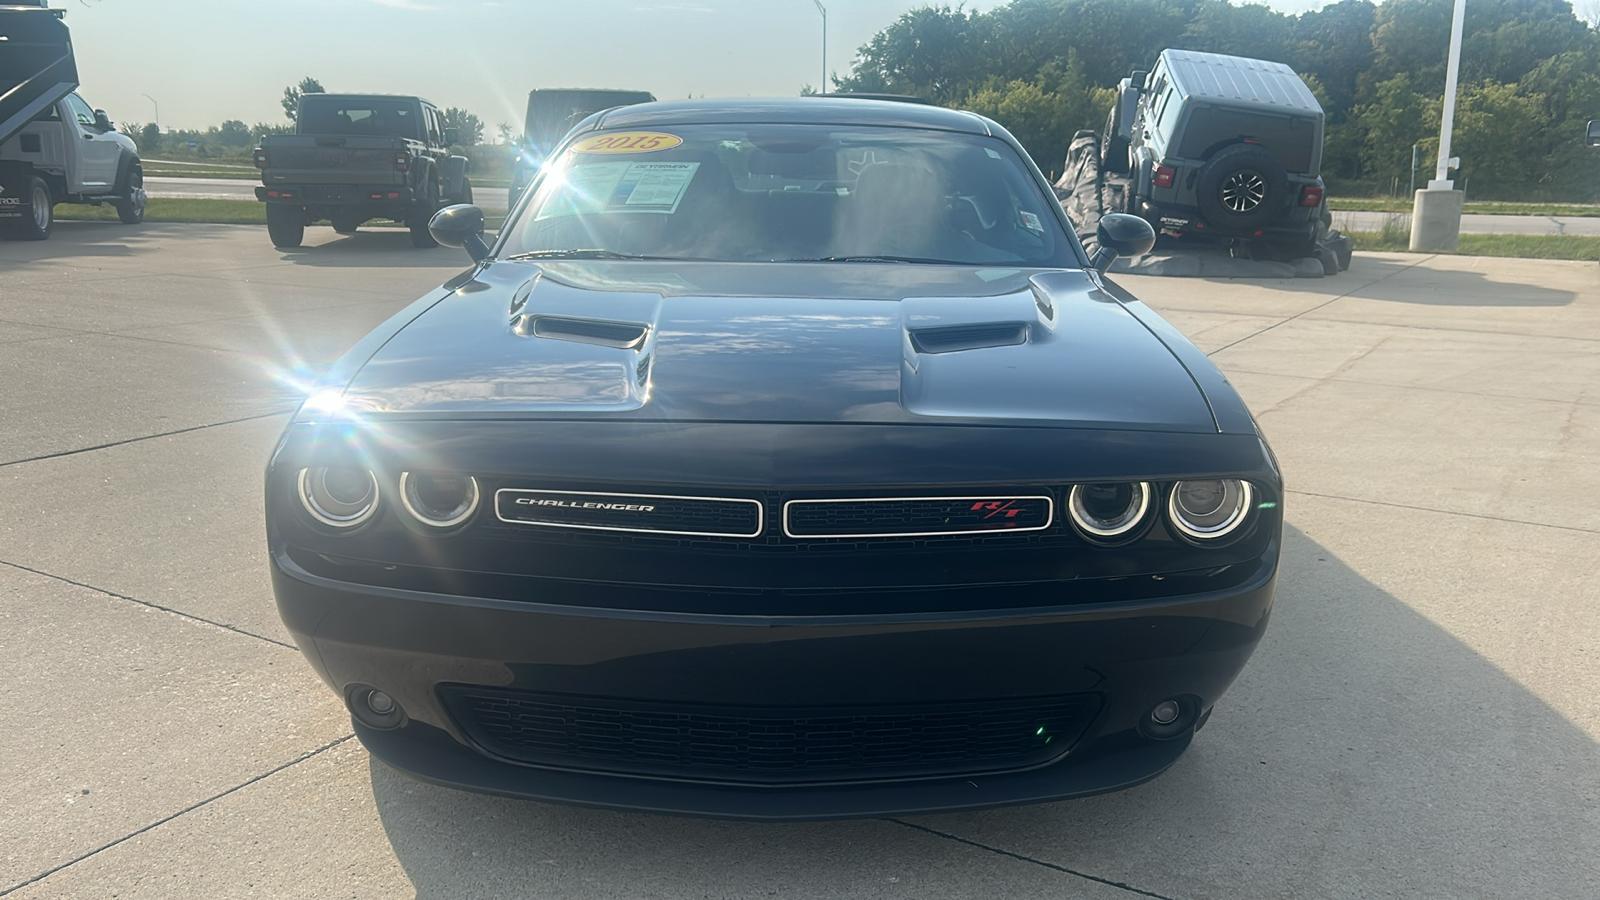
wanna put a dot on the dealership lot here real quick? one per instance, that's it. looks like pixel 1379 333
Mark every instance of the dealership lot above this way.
pixel 1420 720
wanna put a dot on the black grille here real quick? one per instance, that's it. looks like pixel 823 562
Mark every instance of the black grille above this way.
pixel 724 517
pixel 746 744
pixel 915 516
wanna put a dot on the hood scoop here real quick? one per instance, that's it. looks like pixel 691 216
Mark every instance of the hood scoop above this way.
pixel 606 333
pixel 954 338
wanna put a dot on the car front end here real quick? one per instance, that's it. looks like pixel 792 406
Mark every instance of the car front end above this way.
pixel 806 537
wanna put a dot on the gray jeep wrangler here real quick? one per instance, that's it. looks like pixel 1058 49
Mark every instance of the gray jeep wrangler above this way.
pixel 1223 146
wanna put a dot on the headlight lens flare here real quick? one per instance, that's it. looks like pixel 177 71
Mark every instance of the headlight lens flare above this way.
pixel 337 496
pixel 440 500
pixel 1210 509
pixel 1109 510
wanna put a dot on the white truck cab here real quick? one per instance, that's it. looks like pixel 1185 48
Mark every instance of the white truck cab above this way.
pixel 54 147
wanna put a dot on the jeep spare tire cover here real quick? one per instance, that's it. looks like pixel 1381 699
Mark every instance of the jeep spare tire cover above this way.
pixel 1243 186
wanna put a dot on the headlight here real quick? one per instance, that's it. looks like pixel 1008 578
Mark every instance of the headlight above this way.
pixel 338 496
pixel 439 500
pixel 1109 510
pixel 1207 510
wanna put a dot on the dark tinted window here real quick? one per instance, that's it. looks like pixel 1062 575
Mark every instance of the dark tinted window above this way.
pixel 389 116
pixel 551 114
pixel 783 192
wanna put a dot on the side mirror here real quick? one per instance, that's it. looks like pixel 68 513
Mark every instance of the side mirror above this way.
pixel 102 121
pixel 462 226
pixel 452 135
pixel 1593 132
pixel 1120 234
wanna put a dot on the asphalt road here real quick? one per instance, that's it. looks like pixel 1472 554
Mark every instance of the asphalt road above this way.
pixel 489 199
pixel 1419 722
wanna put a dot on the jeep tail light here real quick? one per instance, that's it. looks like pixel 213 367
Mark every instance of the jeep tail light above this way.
pixel 1311 196
pixel 402 161
pixel 261 157
pixel 1162 176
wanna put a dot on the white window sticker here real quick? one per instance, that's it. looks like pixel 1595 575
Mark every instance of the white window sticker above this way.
pixel 992 154
pixel 620 187
pixel 655 187
pixel 1031 221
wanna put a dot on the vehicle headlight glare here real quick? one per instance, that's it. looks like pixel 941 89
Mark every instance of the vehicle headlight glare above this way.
pixel 1110 509
pixel 442 500
pixel 1209 509
pixel 339 496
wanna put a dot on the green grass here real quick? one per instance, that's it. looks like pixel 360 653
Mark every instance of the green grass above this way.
pixel 1521 246
pixel 1480 207
pixel 214 212
pixel 218 212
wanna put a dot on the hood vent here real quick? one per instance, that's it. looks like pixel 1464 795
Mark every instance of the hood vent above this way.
pixel 624 335
pixel 952 338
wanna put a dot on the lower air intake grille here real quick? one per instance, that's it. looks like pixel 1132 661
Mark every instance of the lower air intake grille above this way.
pixel 757 745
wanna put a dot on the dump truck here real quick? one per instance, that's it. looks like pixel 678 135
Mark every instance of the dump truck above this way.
pixel 54 147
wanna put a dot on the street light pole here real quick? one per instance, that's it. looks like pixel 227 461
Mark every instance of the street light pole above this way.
pixel 1436 210
pixel 823 87
pixel 158 109
pixel 1441 176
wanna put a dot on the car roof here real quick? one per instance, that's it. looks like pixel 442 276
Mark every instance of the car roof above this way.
pixel 1239 81
pixel 795 110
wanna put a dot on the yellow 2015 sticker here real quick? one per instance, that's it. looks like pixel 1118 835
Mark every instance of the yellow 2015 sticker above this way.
pixel 627 142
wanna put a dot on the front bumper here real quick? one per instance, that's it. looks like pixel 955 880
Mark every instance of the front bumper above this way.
pixel 1126 656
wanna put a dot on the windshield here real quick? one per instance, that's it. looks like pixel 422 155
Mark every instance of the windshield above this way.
pixel 792 192
pixel 551 114
pixel 386 116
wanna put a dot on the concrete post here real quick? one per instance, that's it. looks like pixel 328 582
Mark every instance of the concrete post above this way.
pixel 1436 219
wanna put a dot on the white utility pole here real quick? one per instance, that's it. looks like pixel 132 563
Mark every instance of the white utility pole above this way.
pixel 1436 209
pixel 1441 178
pixel 822 88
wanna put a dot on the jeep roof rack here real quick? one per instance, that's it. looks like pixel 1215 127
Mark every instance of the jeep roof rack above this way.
pixel 1240 81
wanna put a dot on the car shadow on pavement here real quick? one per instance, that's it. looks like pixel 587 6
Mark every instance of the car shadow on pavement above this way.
pixel 1374 277
pixel 1365 751
pixel 389 246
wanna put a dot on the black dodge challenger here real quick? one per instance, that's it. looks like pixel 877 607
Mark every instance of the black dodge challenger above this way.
pixel 778 459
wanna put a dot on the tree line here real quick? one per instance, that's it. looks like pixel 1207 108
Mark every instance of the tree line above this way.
pixel 1046 68
pixel 234 139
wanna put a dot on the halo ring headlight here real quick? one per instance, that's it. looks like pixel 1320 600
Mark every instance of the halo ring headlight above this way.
pixel 439 500
pixel 1110 510
pixel 1208 509
pixel 339 497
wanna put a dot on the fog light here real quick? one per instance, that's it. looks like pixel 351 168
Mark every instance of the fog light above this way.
pixel 374 708
pixel 1173 717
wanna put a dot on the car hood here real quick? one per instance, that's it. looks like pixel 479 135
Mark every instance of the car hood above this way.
pixel 806 342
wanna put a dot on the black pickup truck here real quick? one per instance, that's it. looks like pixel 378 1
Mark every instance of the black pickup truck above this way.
pixel 357 157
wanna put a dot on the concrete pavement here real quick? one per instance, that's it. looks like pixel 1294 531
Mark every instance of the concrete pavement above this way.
pixel 1475 223
pixel 1419 722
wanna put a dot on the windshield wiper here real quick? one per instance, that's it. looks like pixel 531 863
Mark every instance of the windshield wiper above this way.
pixel 594 254
pixel 888 259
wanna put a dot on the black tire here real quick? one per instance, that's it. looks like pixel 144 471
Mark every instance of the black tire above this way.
pixel 131 200
pixel 1329 260
pixel 421 212
pixel 286 225
pixel 347 224
pixel 1113 147
pixel 1242 187
pixel 38 213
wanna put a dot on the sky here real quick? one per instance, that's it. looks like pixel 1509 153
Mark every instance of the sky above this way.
pixel 205 61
